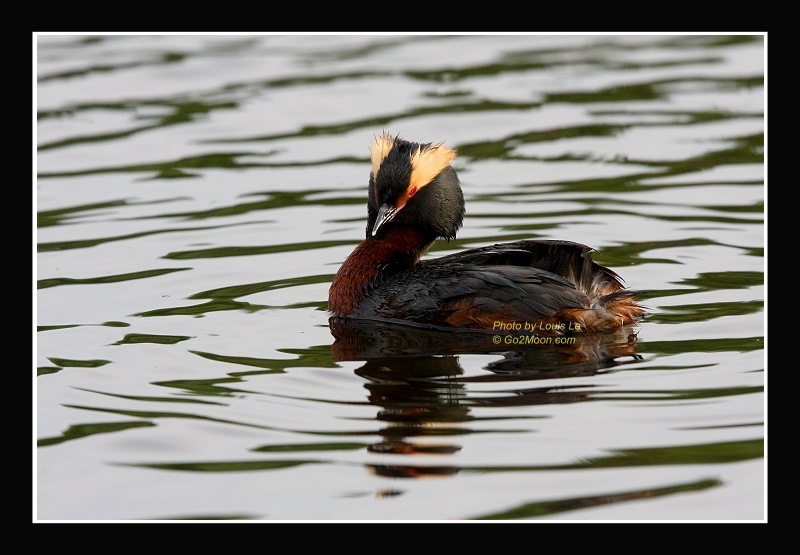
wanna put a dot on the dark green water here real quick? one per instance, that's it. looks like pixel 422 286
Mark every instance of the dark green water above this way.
pixel 196 194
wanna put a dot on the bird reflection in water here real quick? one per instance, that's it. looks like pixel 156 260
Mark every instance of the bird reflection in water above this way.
pixel 414 376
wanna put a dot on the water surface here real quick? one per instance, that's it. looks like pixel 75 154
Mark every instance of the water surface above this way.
pixel 195 195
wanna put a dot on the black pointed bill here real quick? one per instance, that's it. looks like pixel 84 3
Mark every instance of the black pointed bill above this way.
pixel 385 214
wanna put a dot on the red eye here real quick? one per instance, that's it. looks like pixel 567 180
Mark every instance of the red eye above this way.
pixel 411 191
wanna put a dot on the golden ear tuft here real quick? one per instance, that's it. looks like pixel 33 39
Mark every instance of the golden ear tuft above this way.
pixel 428 162
pixel 379 150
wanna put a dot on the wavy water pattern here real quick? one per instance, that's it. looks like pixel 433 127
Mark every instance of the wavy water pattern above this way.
pixel 195 195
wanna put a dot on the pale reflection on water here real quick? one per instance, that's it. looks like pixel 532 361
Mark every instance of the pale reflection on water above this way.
pixel 196 194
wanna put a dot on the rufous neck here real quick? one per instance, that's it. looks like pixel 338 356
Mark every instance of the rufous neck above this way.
pixel 395 250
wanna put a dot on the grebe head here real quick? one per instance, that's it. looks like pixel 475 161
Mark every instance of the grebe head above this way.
pixel 413 184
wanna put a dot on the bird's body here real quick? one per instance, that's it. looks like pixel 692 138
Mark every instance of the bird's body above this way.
pixel 415 198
